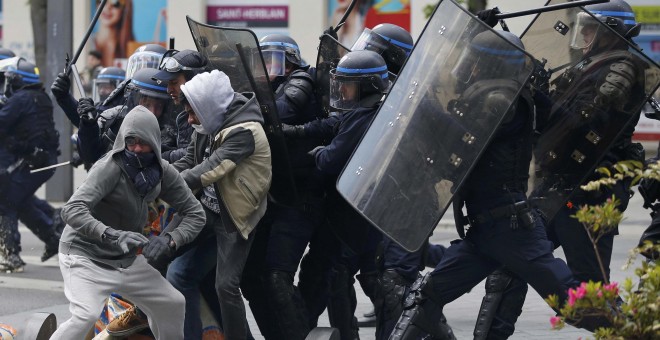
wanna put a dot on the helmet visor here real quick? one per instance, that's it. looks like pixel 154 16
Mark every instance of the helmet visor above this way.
pixel 466 67
pixel 371 41
pixel 102 88
pixel 275 61
pixel 141 60
pixel 344 91
pixel 586 31
pixel 152 100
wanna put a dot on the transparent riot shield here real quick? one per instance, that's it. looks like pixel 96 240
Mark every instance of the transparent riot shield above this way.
pixel 426 137
pixel 595 94
pixel 236 52
pixel 330 51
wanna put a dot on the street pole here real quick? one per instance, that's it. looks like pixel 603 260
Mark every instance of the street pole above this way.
pixel 59 43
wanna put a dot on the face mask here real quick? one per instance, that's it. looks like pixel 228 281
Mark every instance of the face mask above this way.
pixel 140 160
pixel 200 129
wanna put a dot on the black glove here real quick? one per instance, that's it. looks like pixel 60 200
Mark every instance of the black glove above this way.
pixel 86 109
pixel 61 86
pixel 316 150
pixel 295 131
pixel 488 16
pixel 159 251
pixel 127 240
pixel 331 32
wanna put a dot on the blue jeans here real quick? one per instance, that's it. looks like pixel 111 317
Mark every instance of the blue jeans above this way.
pixel 186 273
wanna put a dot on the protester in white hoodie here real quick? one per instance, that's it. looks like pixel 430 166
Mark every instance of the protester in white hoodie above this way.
pixel 229 161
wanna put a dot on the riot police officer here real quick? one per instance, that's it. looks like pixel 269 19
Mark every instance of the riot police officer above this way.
pixel 504 230
pixel 357 86
pixel 606 81
pixel 97 133
pixel 286 230
pixel 29 141
pixel 145 56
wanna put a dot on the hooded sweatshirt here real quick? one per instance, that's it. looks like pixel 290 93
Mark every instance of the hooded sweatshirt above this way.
pixel 237 165
pixel 108 199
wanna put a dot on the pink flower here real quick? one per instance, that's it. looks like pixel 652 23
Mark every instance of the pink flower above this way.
pixel 576 294
pixel 600 294
pixel 612 287
pixel 554 321
pixel 571 297
pixel 581 291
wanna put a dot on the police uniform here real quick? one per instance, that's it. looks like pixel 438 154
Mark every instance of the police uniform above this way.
pixel 29 141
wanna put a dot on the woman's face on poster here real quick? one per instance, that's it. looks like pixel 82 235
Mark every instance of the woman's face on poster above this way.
pixel 112 13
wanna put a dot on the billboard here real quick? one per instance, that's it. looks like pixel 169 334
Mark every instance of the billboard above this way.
pixel 124 25
pixel 367 13
pixel 262 17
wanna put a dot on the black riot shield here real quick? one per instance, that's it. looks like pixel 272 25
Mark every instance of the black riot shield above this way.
pixel 596 95
pixel 236 53
pixel 330 51
pixel 426 138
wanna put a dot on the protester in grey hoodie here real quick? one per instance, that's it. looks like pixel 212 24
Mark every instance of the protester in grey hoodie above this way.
pixel 229 161
pixel 105 218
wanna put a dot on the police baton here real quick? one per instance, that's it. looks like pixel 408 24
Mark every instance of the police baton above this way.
pixel 345 16
pixel 50 167
pixel 86 37
pixel 549 8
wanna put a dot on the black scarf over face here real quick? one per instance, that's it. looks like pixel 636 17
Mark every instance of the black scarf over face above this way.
pixel 143 169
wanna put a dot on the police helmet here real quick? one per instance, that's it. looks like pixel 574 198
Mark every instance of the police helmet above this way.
pixel 18 73
pixel 359 80
pixel 277 49
pixel 144 90
pixel 615 14
pixel 489 55
pixel 391 41
pixel 106 81
pixel 145 56
pixel 6 53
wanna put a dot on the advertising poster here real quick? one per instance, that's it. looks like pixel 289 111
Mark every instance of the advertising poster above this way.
pixel 367 13
pixel 262 17
pixel 125 25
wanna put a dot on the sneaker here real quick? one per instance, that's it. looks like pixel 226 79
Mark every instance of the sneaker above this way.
pixel 13 264
pixel 129 322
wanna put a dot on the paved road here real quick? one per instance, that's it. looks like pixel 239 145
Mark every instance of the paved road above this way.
pixel 40 289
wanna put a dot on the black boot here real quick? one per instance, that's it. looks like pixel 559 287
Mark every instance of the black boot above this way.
pixel 287 305
pixel 341 307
